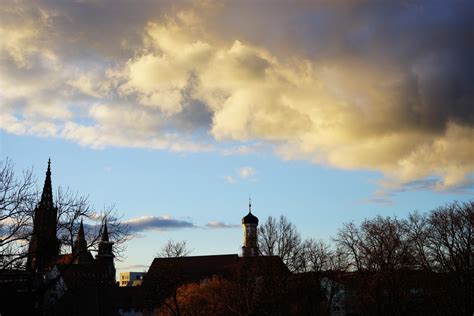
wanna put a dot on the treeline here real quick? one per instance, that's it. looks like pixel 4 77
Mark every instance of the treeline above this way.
pixel 396 265
pixel 419 265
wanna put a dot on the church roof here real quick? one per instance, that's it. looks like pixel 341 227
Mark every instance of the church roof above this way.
pixel 190 269
pixel 84 275
pixel 250 219
pixel 197 268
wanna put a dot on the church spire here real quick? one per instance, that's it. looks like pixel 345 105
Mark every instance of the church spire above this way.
pixel 44 245
pixel 47 195
pixel 105 233
pixel 250 205
pixel 105 255
pixel 80 233
pixel 79 249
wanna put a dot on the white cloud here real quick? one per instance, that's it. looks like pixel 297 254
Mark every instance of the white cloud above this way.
pixel 229 179
pixel 247 172
pixel 218 224
pixel 243 173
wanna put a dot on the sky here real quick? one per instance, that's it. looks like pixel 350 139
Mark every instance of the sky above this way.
pixel 175 112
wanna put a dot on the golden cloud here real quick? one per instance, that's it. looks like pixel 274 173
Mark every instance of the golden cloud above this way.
pixel 347 114
pixel 349 108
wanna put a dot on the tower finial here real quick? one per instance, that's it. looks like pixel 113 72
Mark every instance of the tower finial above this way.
pixel 250 204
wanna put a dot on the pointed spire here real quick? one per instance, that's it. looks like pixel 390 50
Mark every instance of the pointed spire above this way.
pixel 105 233
pixel 80 233
pixel 250 205
pixel 47 195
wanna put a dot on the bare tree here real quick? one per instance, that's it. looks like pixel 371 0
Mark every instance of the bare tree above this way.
pixel 174 249
pixel 281 238
pixel 379 244
pixel 170 278
pixel 317 256
pixel 449 244
pixel 74 208
pixel 380 248
pixel 16 199
pixel 418 234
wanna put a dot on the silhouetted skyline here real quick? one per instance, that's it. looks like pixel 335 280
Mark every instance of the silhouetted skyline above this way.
pixel 176 111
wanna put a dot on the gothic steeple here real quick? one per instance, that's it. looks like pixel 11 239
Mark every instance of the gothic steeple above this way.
pixel 105 255
pixel 79 249
pixel 47 195
pixel 105 233
pixel 80 234
pixel 44 245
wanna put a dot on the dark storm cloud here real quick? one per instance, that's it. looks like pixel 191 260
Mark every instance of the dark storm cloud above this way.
pixel 105 29
pixel 431 43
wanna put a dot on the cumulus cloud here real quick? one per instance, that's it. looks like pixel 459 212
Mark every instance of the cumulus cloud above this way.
pixel 247 172
pixel 144 223
pixel 354 85
pixel 243 173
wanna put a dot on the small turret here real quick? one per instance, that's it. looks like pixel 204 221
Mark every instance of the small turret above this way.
pixel 105 256
pixel 79 249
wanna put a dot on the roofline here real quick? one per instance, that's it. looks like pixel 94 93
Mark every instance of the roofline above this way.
pixel 204 256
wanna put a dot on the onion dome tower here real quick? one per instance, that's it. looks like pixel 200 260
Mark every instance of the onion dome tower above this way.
pixel 250 223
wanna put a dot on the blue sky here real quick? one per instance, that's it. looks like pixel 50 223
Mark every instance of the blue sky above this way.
pixel 176 112
pixel 193 188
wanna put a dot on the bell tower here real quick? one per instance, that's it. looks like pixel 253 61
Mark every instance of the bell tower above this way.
pixel 250 223
pixel 44 245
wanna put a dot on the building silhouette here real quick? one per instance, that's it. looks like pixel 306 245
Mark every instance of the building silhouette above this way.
pixel 250 223
pixel 43 250
pixel 44 245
